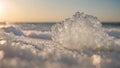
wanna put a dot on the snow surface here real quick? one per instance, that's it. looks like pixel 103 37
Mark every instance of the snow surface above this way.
pixel 27 49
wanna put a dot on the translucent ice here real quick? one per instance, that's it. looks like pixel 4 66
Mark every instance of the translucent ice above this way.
pixel 82 32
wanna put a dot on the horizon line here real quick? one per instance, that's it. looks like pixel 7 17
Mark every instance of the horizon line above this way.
pixel 51 22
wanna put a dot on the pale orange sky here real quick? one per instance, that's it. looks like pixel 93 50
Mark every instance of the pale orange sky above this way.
pixel 57 10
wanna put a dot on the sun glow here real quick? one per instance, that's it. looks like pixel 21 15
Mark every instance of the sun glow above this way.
pixel 2 11
pixel 2 8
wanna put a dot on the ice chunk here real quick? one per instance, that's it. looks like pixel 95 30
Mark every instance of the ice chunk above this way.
pixel 81 32
pixel 14 30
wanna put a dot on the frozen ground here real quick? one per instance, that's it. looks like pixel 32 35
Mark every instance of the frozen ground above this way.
pixel 35 49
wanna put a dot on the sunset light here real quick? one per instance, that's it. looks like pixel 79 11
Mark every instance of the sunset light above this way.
pixel 2 8
pixel 59 33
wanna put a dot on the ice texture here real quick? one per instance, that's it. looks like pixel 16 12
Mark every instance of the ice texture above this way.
pixel 14 30
pixel 31 48
pixel 24 52
pixel 82 32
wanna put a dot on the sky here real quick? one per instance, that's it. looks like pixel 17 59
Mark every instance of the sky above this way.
pixel 57 10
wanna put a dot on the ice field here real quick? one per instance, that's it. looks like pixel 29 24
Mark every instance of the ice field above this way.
pixel 78 42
